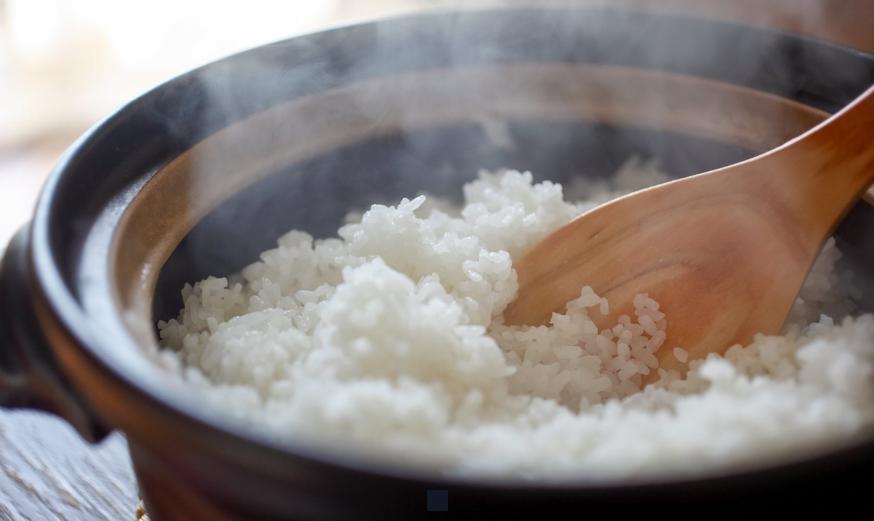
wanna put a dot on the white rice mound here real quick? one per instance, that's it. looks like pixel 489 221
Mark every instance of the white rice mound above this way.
pixel 387 343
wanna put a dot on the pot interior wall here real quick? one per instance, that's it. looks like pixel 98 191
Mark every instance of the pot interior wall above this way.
pixel 314 196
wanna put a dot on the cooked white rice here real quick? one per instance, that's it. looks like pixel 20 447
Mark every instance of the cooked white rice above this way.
pixel 387 342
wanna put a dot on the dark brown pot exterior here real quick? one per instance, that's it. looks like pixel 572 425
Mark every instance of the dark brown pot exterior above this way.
pixel 58 352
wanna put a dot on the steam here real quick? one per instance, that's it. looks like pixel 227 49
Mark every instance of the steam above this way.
pixel 315 192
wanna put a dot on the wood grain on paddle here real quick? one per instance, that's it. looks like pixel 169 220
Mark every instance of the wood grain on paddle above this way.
pixel 723 252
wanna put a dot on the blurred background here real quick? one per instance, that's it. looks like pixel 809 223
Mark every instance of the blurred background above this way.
pixel 65 64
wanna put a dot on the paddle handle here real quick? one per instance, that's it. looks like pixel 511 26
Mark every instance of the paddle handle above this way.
pixel 822 173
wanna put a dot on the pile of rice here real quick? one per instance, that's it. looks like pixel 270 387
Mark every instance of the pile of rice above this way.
pixel 388 342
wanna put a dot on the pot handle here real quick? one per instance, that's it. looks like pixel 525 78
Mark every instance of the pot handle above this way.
pixel 30 376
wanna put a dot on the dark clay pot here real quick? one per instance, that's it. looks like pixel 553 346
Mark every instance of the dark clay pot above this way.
pixel 199 175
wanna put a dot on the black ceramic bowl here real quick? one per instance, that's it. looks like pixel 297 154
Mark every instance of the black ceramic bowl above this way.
pixel 202 173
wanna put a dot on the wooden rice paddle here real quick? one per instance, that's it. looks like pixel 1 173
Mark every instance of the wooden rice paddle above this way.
pixel 724 252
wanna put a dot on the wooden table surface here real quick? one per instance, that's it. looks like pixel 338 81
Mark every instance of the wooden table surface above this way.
pixel 48 472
